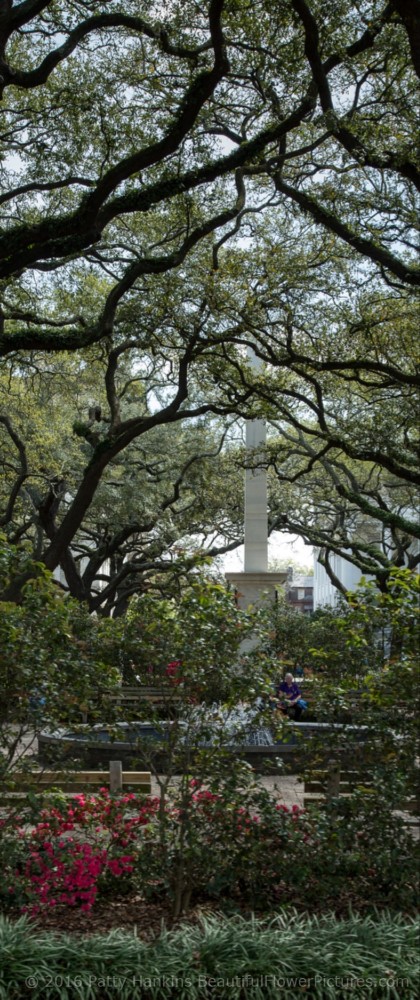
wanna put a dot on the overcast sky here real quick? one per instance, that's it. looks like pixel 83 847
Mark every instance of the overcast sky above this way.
pixel 281 546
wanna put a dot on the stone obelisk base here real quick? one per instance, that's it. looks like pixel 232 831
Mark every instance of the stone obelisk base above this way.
pixel 255 588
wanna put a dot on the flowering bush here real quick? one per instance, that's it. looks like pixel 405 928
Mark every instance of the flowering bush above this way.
pixel 242 847
pixel 67 872
pixel 232 844
pixel 45 866
pixel 173 672
pixel 217 845
pixel 115 818
pixel 198 842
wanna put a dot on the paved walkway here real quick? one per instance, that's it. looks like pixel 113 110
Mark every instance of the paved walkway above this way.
pixel 287 790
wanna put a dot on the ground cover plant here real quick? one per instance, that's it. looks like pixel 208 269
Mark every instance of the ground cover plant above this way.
pixel 374 958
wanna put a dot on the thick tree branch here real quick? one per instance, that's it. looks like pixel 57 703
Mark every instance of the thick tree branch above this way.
pixel 390 518
pixel 20 479
pixel 45 186
pixel 336 124
pixel 29 79
pixel 407 274
pixel 61 236
pixel 409 12
pixel 56 339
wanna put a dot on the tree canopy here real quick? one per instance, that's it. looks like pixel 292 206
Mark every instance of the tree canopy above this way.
pixel 178 183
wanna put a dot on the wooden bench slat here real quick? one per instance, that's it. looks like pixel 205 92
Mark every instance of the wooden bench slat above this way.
pixel 144 696
pixel 411 805
pixel 69 786
pixel 94 777
pixel 52 777
pixel 10 798
pixel 345 786
pixel 325 785
pixel 73 782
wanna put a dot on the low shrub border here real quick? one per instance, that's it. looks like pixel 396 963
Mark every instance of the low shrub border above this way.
pixel 288 956
pixel 235 847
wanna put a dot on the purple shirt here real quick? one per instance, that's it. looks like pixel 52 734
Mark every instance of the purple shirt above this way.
pixel 290 690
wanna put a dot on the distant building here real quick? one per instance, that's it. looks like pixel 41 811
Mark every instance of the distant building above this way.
pixel 349 575
pixel 300 592
pixel 324 592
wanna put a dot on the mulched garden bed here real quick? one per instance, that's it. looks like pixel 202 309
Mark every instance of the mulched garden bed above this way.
pixel 137 915
pixel 146 919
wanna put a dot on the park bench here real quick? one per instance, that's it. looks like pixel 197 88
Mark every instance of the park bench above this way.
pixel 138 693
pixel 127 696
pixel 72 782
pixel 332 781
pixel 341 780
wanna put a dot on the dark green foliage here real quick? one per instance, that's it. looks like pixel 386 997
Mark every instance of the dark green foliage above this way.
pixel 51 663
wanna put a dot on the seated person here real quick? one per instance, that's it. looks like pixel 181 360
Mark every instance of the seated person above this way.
pixel 290 698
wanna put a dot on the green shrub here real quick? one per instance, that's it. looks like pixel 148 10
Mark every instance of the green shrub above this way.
pixel 230 843
pixel 51 664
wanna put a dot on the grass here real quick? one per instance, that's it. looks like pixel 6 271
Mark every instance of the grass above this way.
pixel 289 956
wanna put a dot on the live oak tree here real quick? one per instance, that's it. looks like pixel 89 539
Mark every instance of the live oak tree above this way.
pixel 296 90
pixel 136 141
pixel 338 388
pixel 354 510
pixel 339 348
pixel 168 502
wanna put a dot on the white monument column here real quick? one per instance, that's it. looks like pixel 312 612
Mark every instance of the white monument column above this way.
pixel 256 502
pixel 255 585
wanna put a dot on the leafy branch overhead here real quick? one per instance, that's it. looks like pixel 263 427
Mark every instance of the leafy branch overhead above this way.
pixel 274 84
pixel 178 183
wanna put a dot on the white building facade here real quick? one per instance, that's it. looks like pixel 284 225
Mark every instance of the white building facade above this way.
pixel 325 594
